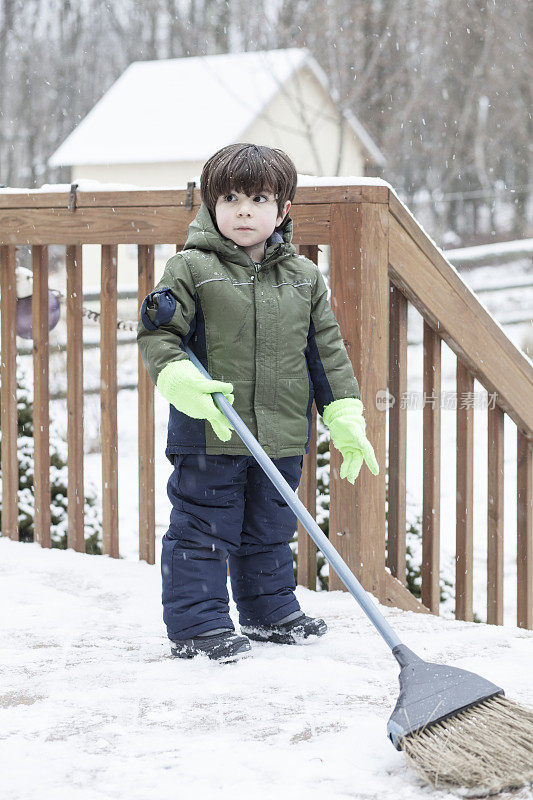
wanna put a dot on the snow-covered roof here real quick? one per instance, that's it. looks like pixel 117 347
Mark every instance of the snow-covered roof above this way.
pixel 163 110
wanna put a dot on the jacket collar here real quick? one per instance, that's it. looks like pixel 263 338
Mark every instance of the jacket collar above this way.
pixel 204 235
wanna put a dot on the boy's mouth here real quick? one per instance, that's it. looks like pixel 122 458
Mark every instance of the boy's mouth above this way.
pixel 244 228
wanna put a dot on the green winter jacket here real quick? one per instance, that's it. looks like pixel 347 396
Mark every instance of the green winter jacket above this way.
pixel 267 328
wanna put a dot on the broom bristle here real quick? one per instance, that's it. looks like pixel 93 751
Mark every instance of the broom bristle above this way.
pixel 482 750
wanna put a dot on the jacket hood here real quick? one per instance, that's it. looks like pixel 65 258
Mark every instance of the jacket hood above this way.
pixel 204 235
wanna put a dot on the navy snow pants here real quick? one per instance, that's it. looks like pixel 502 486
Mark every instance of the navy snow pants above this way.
pixel 224 508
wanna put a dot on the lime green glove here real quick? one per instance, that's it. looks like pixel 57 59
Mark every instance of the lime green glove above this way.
pixel 184 386
pixel 347 427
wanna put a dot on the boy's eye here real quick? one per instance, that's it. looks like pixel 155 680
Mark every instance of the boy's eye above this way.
pixel 260 198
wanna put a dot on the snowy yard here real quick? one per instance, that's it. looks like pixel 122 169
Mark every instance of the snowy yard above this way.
pixel 92 706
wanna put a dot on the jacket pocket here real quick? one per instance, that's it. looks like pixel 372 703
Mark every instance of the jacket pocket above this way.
pixel 293 404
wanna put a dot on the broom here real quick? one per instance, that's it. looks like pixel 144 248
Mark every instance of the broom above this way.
pixel 456 728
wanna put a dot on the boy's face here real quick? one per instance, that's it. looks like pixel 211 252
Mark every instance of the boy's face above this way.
pixel 249 221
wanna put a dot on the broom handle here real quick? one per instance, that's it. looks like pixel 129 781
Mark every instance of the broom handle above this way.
pixel 316 534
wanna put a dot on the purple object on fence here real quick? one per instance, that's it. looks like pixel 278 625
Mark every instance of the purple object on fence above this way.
pixel 24 315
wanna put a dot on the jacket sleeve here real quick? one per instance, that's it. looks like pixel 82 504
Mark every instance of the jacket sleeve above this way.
pixel 329 365
pixel 167 317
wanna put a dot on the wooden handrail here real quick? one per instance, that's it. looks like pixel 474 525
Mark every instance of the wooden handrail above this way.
pixel 115 198
pixel 445 301
pixel 454 314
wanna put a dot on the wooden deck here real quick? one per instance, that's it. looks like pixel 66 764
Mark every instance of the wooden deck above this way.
pixel 381 260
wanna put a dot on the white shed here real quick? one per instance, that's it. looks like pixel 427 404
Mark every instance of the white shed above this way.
pixel 161 120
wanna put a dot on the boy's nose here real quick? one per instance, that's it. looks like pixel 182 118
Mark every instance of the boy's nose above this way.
pixel 244 208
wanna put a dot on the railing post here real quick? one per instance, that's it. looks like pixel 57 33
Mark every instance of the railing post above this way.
pixel 75 415
pixel 41 397
pixel 431 470
pixel 108 400
pixel 396 516
pixel 524 547
pixel 359 298
pixel 146 427
pixel 464 559
pixel 9 419
pixel 306 562
pixel 495 501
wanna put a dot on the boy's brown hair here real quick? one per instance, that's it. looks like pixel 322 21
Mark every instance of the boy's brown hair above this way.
pixel 248 168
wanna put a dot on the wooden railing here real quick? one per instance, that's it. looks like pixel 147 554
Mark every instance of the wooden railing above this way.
pixel 381 260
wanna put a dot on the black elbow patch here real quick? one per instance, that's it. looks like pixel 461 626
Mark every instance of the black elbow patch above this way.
pixel 158 308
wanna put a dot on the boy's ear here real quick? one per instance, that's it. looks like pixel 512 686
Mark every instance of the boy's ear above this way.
pixel 282 216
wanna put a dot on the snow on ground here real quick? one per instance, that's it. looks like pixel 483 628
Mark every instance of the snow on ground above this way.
pixel 92 707
pixel 488 252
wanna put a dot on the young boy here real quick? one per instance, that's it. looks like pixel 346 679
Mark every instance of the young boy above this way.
pixel 256 315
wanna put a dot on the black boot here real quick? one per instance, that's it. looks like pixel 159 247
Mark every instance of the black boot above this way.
pixel 290 630
pixel 221 644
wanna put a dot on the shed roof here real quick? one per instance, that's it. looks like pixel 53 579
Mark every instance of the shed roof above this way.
pixel 184 109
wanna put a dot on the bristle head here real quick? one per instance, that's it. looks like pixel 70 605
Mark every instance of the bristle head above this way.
pixel 484 749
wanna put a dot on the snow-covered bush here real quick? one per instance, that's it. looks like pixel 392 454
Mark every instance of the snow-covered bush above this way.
pixel 58 481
